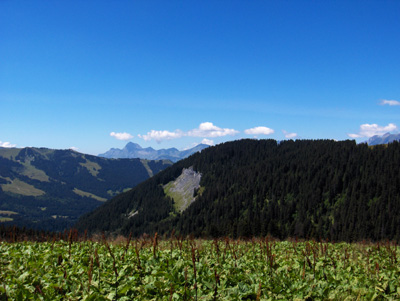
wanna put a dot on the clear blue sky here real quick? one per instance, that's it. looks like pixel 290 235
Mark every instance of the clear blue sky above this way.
pixel 98 74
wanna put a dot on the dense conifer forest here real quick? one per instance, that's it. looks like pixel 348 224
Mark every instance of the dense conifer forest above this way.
pixel 322 189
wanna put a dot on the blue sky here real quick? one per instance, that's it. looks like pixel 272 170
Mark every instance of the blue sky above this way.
pixel 97 74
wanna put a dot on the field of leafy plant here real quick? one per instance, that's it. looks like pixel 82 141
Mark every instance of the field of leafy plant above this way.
pixel 150 268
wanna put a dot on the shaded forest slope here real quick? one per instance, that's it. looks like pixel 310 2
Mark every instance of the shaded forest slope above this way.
pixel 304 188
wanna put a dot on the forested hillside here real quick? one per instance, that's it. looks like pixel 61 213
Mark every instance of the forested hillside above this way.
pixel 305 188
pixel 49 189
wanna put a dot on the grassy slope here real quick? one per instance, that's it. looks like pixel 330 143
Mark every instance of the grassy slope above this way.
pixel 64 182
pixel 19 187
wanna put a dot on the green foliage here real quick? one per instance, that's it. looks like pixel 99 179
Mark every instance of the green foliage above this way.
pixel 186 269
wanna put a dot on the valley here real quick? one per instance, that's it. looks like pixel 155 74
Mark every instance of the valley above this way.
pixel 49 189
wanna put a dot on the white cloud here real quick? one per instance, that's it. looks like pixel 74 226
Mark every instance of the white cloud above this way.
pixel 7 144
pixel 289 135
pixel 121 136
pixel 259 130
pixel 207 141
pixel 207 129
pixel 161 135
pixel 390 102
pixel 74 148
pixel 369 130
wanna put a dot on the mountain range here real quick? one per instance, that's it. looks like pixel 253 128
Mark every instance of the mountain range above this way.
pixel 49 189
pixel 322 189
pixel 384 139
pixel 134 150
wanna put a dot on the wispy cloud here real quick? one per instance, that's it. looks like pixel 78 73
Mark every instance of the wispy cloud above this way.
pixel 289 135
pixel 161 135
pixel 390 102
pixel 7 144
pixel 121 136
pixel 354 136
pixel 74 148
pixel 259 130
pixel 369 130
pixel 205 130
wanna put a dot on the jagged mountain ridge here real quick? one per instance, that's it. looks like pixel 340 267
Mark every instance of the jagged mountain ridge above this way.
pixel 323 189
pixel 49 189
pixel 134 150
pixel 384 139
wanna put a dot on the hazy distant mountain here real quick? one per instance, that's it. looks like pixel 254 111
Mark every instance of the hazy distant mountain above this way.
pixel 134 150
pixel 384 139
pixel 49 189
